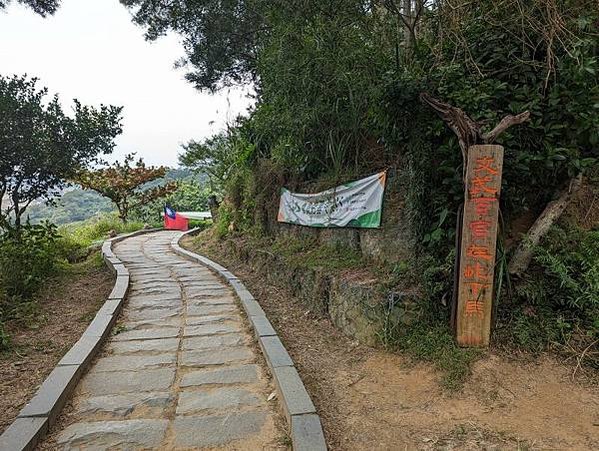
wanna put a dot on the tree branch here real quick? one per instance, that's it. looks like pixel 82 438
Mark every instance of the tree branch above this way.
pixel 467 130
pixel 523 256
pixel 503 125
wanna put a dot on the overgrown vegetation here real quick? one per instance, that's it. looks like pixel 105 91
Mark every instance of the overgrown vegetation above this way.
pixel 337 96
pixel 41 149
pixel 35 253
pixel 557 303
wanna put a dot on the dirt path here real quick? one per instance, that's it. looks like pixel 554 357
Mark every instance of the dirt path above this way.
pixel 65 308
pixel 375 400
pixel 181 373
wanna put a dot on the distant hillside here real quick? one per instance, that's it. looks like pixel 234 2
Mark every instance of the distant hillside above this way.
pixel 78 205
pixel 73 205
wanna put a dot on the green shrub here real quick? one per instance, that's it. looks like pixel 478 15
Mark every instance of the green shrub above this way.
pixel 558 300
pixel 27 257
pixel 224 220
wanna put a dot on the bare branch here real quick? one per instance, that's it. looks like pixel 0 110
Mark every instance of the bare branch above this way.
pixel 467 130
pixel 503 125
pixel 554 209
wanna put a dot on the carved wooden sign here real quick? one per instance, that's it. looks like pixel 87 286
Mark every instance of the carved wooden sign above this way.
pixel 479 238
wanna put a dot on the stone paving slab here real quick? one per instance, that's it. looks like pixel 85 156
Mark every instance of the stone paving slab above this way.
pixel 217 399
pixel 217 430
pixel 197 320
pixel 146 334
pixel 306 429
pixel 153 404
pixel 197 310
pixel 217 300
pixel 99 383
pixel 211 329
pixel 156 345
pixel 210 357
pixel 169 321
pixel 103 435
pixel 135 362
pixel 213 341
pixel 244 374
pixel 154 313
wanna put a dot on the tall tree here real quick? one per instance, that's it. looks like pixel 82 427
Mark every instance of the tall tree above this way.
pixel 123 183
pixel 219 36
pixel 41 147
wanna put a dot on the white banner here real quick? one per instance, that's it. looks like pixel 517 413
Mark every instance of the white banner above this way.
pixel 355 204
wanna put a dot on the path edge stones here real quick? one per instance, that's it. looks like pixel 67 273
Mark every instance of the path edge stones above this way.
pixel 303 422
pixel 40 413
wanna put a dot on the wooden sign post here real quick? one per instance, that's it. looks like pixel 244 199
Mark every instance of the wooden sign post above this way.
pixel 479 238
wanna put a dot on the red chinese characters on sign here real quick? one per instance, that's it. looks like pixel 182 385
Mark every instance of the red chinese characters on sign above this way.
pixel 480 229
pixel 482 205
pixel 482 193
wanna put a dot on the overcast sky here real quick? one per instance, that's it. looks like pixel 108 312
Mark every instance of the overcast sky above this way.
pixel 90 50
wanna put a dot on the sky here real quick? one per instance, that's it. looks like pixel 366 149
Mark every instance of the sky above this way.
pixel 90 50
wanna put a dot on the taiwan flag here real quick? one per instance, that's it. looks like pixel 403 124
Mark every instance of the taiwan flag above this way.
pixel 174 221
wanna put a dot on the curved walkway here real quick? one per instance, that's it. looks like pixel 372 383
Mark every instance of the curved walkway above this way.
pixel 181 371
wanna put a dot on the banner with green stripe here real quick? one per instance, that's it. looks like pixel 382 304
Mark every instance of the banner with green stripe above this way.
pixel 354 204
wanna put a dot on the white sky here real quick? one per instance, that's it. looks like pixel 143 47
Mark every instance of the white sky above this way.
pixel 90 50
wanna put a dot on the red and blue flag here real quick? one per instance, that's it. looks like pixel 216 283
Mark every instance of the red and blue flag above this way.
pixel 174 221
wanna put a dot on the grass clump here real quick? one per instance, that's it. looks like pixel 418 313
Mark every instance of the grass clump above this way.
pixel 307 252
pixel 432 342
pixel 96 229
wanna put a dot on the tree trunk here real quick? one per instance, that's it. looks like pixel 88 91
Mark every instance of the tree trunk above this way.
pixel 554 209
pixel 16 206
pixel 407 12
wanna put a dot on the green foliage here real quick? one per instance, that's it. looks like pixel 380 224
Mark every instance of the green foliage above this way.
pixel 225 218
pixel 27 257
pixel 41 7
pixel 32 254
pixel 337 92
pixel 95 230
pixel 308 253
pixel 570 261
pixel 41 147
pixel 558 300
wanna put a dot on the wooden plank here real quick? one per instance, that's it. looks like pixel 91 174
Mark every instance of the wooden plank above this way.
pixel 479 239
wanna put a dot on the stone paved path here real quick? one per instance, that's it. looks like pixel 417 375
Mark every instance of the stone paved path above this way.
pixel 181 373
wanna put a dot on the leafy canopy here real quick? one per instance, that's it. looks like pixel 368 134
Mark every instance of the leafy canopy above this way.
pixel 41 147
pixel 123 183
pixel 219 36
pixel 41 7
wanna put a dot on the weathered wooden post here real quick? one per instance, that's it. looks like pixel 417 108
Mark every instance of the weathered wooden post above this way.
pixel 477 237
pixel 477 247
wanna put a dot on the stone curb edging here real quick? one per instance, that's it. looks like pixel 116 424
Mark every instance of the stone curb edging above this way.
pixel 38 415
pixel 304 422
